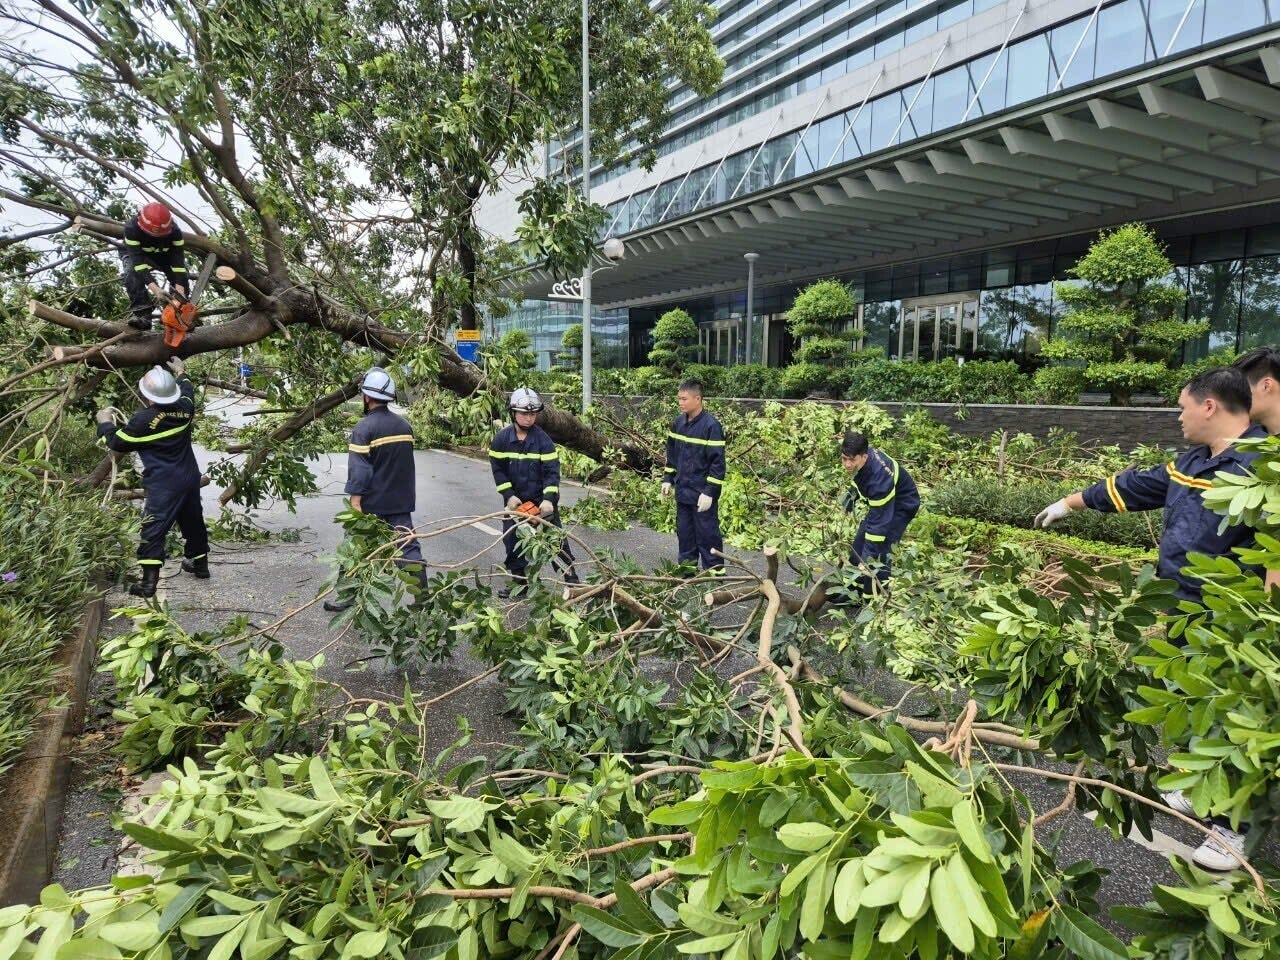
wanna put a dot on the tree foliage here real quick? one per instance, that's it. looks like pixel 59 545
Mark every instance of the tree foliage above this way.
pixel 1121 320
pixel 814 318
pixel 674 335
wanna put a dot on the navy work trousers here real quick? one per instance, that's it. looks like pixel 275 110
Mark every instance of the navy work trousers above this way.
pixel 515 561
pixel 897 530
pixel 165 506
pixel 699 534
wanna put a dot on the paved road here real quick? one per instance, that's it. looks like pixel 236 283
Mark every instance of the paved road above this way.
pixel 265 581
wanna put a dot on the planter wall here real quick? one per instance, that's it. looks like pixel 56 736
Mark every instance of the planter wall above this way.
pixel 33 793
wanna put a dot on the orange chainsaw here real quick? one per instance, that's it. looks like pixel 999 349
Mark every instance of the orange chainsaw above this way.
pixel 529 509
pixel 179 314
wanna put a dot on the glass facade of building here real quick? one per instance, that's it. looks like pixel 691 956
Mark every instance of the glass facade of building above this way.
pixel 1000 304
pixel 546 321
pixel 1125 35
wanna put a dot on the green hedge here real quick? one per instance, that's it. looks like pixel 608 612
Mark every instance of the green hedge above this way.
pixel 1016 503
pixel 52 545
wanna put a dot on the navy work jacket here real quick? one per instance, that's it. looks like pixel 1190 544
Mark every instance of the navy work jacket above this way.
pixel 161 436
pixel 892 501
pixel 380 464
pixel 528 468
pixel 141 252
pixel 695 457
pixel 1189 525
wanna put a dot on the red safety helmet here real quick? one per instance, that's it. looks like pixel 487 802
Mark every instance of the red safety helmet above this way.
pixel 156 220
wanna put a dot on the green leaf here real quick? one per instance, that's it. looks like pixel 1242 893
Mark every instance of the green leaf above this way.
pixel 134 935
pixel 634 910
pixel 708 944
pixel 431 941
pixel 463 814
pixel 915 891
pixel 806 837
pixel 262 949
pixel 1032 937
pixel 963 882
pixel 950 913
pixel 210 926
pixel 1027 858
pixel 848 891
pixel 321 784
pixel 153 839
pixel 965 817
pixel 226 946
pixel 607 928
pixel 1085 938
pixel 817 894
pixel 937 791
pixel 181 904
pixel 366 943
pixel 886 891
pixel 88 949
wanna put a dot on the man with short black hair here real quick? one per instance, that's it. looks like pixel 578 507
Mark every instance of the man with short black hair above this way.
pixel 695 470
pixel 1215 413
pixel 1262 368
pixel 892 503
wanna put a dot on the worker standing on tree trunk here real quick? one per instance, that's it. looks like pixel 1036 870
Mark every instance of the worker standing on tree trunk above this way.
pixel 526 470
pixel 695 471
pixel 892 503
pixel 381 477
pixel 152 241
pixel 161 435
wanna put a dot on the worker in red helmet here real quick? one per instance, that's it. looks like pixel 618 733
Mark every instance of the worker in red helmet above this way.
pixel 152 242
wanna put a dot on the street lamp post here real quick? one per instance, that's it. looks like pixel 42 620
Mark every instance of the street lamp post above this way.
pixel 586 197
pixel 751 259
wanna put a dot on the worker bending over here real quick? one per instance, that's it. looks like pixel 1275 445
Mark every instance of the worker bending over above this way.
pixel 526 470
pixel 892 503
pixel 161 435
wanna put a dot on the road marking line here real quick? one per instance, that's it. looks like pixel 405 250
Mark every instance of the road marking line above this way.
pixel 1160 843
pixel 485 528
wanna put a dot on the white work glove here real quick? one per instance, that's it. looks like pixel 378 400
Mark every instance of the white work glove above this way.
pixel 704 503
pixel 666 489
pixel 513 502
pixel 176 366
pixel 1054 513
pixel 105 415
pixel 546 508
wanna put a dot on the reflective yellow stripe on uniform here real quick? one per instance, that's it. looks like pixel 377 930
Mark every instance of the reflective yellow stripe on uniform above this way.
pixel 718 483
pixel 358 447
pixel 1181 478
pixel 875 538
pixel 141 266
pixel 550 489
pixel 504 486
pixel 892 493
pixel 151 563
pixel 178 269
pixel 383 441
pixel 512 455
pixel 154 436
pixel 668 469
pixel 132 243
pixel 1113 492
pixel 702 443
pixel 179 243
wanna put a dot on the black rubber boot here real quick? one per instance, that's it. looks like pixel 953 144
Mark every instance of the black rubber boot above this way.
pixel 337 606
pixel 146 587
pixel 571 577
pixel 518 586
pixel 142 321
pixel 198 568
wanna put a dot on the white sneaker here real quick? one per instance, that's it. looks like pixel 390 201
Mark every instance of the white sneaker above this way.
pixel 1215 852
pixel 1177 800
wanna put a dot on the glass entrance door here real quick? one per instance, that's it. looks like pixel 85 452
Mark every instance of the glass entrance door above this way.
pixel 939 327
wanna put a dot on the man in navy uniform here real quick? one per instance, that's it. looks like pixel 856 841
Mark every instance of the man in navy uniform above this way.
pixel 161 435
pixel 152 242
pixel 695 471
pixel 892 503
pixel 526 469
pixel 1215 413
pixel 380 469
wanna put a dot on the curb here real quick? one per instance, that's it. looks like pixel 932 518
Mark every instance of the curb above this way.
pixel 34 790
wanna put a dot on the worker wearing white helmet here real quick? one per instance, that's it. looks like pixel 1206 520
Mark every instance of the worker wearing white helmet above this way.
pixel 526 470
pixel 160 434
pixel 380 471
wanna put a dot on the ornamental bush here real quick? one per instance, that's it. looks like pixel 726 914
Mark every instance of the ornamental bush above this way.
pixel 673 345
pixel 814 319
pixel 1123 319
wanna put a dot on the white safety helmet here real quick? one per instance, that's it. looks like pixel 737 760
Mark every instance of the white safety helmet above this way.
pixel 525 400
pixel 158 386
pixel 378 385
